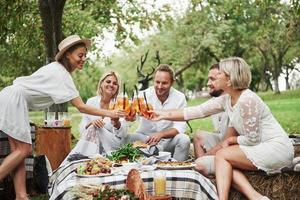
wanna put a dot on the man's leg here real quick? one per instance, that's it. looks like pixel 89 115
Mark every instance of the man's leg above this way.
pixel 203 141
pixel 137 137
pixel 198 142
pixel 179 146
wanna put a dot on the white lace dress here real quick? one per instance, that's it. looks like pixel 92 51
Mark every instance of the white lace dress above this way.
pixel 261 137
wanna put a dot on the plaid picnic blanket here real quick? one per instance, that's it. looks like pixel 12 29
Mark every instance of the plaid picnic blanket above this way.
pixel 5 150
pixel 181 184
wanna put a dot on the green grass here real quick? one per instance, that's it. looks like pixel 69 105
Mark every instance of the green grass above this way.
pixel 40 197
pixel 285 107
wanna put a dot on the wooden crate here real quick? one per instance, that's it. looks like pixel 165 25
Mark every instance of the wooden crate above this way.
pixel 55 143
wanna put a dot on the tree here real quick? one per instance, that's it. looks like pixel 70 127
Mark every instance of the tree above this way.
pixel 262 32
pixel 51 12
pixel 21 44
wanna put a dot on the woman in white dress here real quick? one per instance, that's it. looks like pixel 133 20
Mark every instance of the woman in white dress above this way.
pixel 100 135
pixel 50 84
pixel 255 140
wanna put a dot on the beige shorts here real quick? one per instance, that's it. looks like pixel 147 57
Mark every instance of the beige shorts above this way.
pixel 207 162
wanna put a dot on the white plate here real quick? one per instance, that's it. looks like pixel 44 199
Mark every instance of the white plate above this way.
pixel 96 175
pixel 163 155
pixel 148 167
pixel 175 167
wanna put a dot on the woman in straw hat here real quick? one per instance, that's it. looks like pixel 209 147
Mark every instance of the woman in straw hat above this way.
pixel 50 84
pixel 254 139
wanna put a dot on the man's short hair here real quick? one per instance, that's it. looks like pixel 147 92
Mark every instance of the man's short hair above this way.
pixel 214 66
pixel 165 68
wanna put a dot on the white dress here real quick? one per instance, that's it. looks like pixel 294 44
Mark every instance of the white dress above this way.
pixel 261 137
pixel 99 140
pixel 50 84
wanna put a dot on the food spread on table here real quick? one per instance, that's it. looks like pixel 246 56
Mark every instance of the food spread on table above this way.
pixel 134 190
pixel 174 165
pixel 101 192
pixel 96 166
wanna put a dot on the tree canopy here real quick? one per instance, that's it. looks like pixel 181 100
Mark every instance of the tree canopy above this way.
pixel 265 33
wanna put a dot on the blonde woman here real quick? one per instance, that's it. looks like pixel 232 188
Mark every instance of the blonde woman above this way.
pixel 255 140
pixel 101 135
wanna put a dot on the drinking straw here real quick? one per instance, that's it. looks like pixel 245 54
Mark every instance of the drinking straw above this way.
pixel 132 97
pixel 146 100
pixel 137 96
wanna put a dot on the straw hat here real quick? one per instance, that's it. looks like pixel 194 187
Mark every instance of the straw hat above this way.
pixel 70 41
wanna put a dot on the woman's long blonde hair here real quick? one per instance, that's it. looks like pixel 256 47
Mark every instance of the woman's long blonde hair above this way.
pixel 103 77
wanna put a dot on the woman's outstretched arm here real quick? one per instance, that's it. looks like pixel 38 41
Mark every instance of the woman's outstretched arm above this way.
pixel 83 108
pixel 173 115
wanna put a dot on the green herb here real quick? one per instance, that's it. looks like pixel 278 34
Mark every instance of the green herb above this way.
pixel 126 152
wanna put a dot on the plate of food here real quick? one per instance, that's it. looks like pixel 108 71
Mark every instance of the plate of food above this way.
pixel 140 144
pixel 94 175
pixel 95 168
pixel 175 165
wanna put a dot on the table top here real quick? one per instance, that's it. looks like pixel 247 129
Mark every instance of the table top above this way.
pixel 187 184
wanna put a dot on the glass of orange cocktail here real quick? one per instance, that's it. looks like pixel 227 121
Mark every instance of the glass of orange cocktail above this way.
pixel 137 102
pixel 123 103
pixel 145 108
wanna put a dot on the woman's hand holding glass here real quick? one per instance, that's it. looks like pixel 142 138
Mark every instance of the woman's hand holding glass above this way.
pixel 116 113
pixel 132 115
pixel 156 115
pixel 146 110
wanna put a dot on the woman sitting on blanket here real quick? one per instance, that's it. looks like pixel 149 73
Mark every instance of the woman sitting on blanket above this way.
pixel 255 140
pixel 100 135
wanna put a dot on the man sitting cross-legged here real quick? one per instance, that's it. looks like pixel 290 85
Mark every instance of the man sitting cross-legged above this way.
pixel 206 143
pixel 169 136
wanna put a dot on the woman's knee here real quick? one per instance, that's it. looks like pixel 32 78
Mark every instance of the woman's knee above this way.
pixel 25 149
pixel 221 155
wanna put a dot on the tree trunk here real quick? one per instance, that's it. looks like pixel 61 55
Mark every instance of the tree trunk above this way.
pixel 51 12
pixel 287 76
pixel 276 86
pixel 287 84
